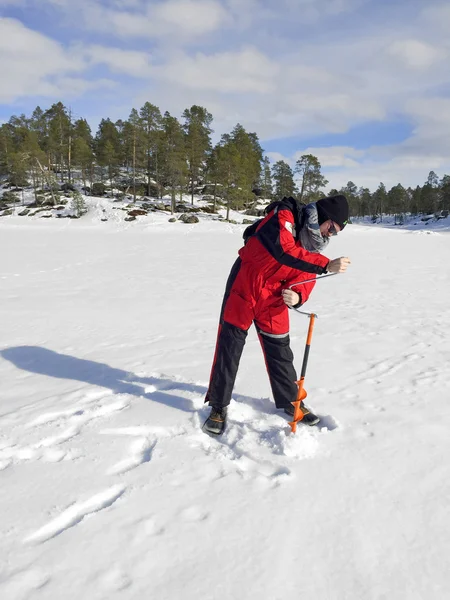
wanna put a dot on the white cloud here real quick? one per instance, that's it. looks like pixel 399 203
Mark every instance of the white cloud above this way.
pixel 334 156
pixel 416 54
pixel 240 72
pixel 294 11
pixel 277 156
pixel 194 17
pixel 179 20
pixel 34 65
pixel 128 62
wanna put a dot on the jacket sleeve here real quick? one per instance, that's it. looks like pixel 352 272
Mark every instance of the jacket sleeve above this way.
pixel 304 291
pixel 277 237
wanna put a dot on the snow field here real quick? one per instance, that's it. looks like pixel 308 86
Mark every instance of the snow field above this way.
pixel 110 489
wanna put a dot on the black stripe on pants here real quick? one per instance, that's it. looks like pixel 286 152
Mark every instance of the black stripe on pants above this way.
pixel 280 367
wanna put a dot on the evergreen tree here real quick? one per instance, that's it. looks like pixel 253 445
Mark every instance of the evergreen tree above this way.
pixel 429 197
pixel 197 127
pixel 283 177
pixel 380 200
pixel 416 200
pixel 312 180
pixel 59 137
pixel 397 202
pixel 228 170
pixel 136 131
pixel 173 160
pixel 82 130
pixel 250 158
pixel 78 204
pixel 6 149
pixel 213 173
pixel 266 184
pixel 350 191
pixel 125 130
pixel 107 148
pixel 444 193
pixel 364 202
pixel 39 124
pixel 32 156
pixel 83 158
pixel 150 121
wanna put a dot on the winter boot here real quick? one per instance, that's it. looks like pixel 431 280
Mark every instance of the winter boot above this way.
pixel 308 418
pixel 216 421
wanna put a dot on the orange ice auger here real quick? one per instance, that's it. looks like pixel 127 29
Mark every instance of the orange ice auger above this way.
pixel 301 395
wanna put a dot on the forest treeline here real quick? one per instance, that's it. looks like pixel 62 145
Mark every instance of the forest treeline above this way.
pixel 154 154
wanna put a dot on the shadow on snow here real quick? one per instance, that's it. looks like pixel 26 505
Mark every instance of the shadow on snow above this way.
pixel 62 366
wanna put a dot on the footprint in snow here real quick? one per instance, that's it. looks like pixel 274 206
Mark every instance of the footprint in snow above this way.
pixel 141 449
pixel 76 513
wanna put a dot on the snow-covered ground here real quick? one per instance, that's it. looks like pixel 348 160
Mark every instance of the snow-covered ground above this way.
pixel 110 490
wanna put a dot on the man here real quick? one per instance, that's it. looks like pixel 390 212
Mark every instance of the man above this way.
pixel 280 250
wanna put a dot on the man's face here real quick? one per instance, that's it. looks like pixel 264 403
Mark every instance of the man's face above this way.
pixel 329 228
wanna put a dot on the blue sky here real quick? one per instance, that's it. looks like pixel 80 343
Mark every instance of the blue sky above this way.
pixel 362 84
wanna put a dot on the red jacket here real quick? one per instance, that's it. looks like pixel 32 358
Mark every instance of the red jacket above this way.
pixel 272 260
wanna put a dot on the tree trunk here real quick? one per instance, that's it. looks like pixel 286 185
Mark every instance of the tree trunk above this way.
pixel 69 165
pixel 134 167
pixel 48 182
pixel 148 173
pixel 33 175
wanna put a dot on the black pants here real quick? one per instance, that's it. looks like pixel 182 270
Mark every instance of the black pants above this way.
pixel 279 363
pixel 230 344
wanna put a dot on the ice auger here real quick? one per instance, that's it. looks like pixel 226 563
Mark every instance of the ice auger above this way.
pixel 301 394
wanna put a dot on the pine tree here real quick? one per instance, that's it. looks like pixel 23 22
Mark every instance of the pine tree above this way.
pixel 415 200
pixel 364 201
pixel 39 124
pixel 78 204
pixel 429 196
pixel 82 130
pixel 312 180
pixel 283 177
pixel 6 149
pixel 107 148
pixel 173 159
pixel 32 156
pixel 213 172
pixel 396 202
pixel 83 158
pixel 380 201
pixel 444 193
pixel 350 191
pixel 250 158
pixel 59 137
pixel 266 184
pixel 197 127
pixel 228 170
pixel 125 131
pixel 150 121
